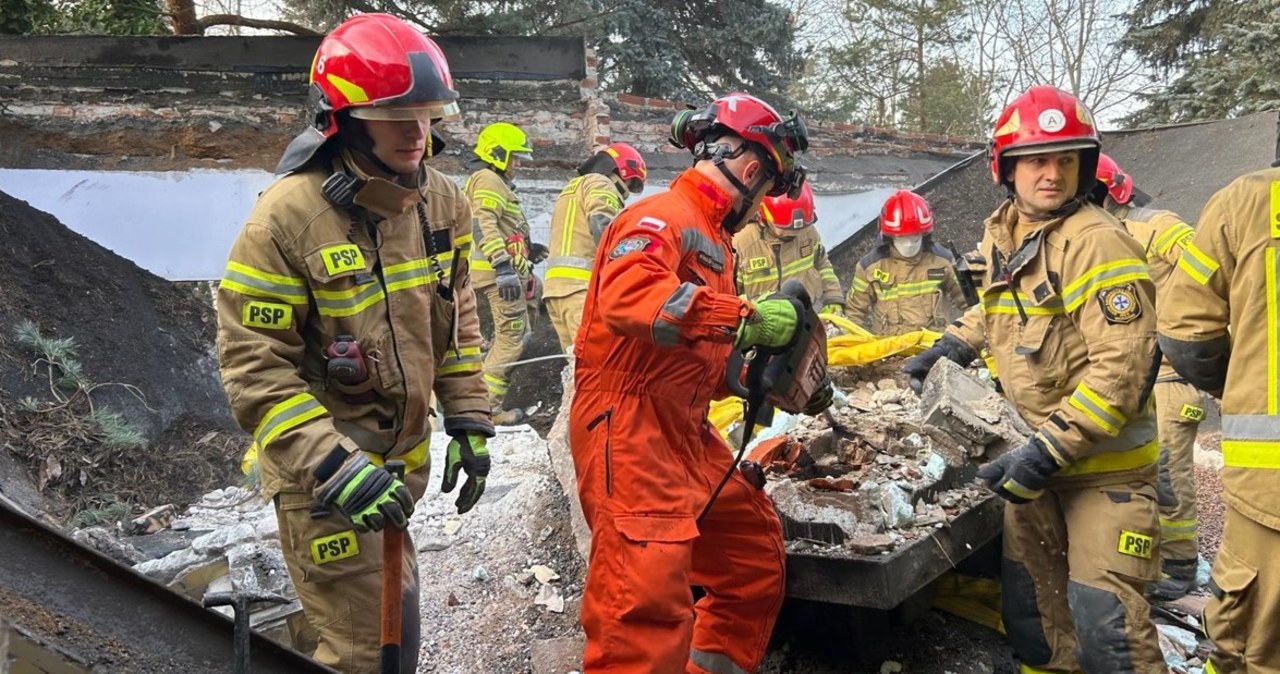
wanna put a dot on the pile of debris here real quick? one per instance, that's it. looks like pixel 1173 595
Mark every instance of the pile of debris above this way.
pixel 884 467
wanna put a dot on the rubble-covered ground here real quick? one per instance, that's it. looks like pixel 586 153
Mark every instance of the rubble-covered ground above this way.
pixel 501 585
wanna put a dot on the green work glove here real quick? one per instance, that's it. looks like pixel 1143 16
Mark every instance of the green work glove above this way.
pixel 1021 475
pixel 772 322
pixel 833 310
pixel 467 451
pixel 370 496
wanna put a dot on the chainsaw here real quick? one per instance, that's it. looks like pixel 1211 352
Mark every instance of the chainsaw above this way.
pixel 786 377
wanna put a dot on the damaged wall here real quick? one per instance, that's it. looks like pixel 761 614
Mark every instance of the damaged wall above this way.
pixel 176 103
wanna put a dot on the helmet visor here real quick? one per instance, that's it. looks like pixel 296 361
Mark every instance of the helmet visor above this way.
pixel 405 113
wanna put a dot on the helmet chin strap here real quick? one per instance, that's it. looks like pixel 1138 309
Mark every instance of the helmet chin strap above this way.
pixel 736 217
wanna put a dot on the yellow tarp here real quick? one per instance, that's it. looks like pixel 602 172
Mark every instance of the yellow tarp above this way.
pixel 855 347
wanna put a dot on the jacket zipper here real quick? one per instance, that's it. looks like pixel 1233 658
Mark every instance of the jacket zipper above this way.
pixel 391 326
pixel 606 416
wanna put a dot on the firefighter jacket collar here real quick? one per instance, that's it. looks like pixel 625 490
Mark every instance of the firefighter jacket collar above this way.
pixel 378 195
pixel 714 203
pixel 768 231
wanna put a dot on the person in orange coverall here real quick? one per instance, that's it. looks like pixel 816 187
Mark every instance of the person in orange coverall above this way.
pixel 661 318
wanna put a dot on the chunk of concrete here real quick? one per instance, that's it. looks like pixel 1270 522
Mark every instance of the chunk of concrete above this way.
pixel 958 403
pixel 562 465
pixel 830 517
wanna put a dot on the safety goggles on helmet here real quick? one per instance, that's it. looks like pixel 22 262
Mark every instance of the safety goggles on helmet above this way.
pixel 776 138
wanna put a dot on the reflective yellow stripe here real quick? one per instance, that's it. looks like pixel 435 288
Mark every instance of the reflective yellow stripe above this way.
pixel 492 246
pixel 297 410
pixel 1098 410
pixel 1111 462
pixel 1171 236
pixel 256 283
pixel 904 290
pixel 828 274
pixel 860 284
pixel 797 266
pixel 1251 453
pixel 1002 302
pixel 1196 264
pixel 340 303
pixel 570 220
pixel 1103 276
pixel 569 273
pixel 407 275
pixel 497 385
pixel 1178 530
pixel 413 459
pixel 490 194
pixel 1273 333
pixel 481 264
pixel 465 359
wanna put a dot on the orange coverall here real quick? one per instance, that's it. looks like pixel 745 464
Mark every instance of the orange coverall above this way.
pixel 657 330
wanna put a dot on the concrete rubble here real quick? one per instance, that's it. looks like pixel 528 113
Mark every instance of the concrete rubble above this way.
pixel 884 467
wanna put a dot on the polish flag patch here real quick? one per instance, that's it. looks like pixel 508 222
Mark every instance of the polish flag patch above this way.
pixel 651 224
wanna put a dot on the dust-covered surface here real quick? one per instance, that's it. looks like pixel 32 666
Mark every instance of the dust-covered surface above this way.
pixel 145 348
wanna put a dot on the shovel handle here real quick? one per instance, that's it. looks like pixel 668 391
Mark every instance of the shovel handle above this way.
pixel 392 589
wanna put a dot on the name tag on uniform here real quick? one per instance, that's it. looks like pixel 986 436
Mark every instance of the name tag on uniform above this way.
pixel 329 549
pixel 882 276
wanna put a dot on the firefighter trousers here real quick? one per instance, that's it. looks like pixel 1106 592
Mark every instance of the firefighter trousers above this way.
pixel 566 316
pixel 510 325
pixel 338 576
pixel 1076 562
pixel 1240 617
pixel 1179 410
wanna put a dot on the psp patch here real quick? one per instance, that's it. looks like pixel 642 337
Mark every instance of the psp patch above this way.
pixel 267 315
pixel 757 263
pixel 339 546
pixel 1120 303
pixel 631 244
pixel 1135 544
pixel 1192 413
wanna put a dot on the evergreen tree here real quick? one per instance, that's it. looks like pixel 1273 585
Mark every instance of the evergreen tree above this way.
pixel 1223 54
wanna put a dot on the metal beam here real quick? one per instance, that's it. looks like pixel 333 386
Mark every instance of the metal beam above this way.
pixel 96 614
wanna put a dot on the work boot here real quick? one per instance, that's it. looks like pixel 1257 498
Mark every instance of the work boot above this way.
pixel 511 417
pixel 1177 578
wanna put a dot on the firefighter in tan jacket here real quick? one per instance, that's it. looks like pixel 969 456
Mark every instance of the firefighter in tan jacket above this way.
pixel 907 282
pixel 583 210
pixel 782 245
pixel 1067 312
pixel 1223 335
pixel 1179 406
pixel 345 305
pixel 500 262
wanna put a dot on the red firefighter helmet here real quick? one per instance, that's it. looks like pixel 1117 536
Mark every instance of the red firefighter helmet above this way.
pixel 1119 184
pixel 1045 119
pixel 906 213
pixel 781 138
pixel 630 166
pixel 376 67
pixel 784 212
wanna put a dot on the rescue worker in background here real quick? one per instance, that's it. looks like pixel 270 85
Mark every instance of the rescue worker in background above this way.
pixel 782 244
pixel 1179 406
pixel 581 213
pixel 907 282
pixel 661 317
pixel 330 382
pixel 501 268
pixel 1067 312
pixel 1223 335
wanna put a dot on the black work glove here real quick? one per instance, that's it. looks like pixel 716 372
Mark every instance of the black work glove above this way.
pixel 1021 475
pixel 951 347
pixel 509 286
pixel 538 253
pixel 820 400
pixel 467 451
pixel 370 496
